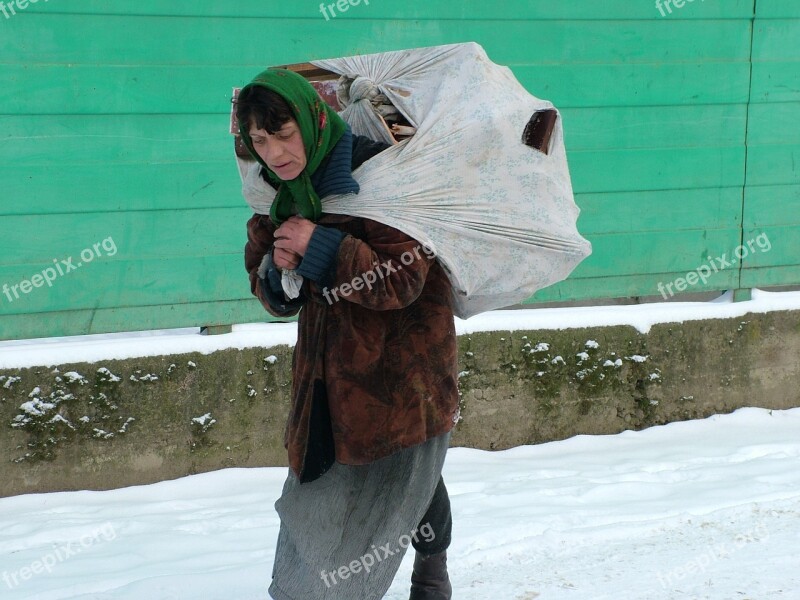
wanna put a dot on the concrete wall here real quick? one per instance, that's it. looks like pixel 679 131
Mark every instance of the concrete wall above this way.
pixel 133 424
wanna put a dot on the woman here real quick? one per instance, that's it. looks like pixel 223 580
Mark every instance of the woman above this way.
pixel 374 391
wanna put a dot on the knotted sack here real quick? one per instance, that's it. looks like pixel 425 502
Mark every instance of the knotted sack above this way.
pixel 499 214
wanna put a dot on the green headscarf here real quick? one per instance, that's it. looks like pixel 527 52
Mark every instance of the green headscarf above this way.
pixel 321 128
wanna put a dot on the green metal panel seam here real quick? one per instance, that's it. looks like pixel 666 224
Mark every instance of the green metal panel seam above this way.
pixel 741 294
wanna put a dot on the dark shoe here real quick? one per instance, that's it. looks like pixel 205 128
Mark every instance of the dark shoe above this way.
pixel 429 581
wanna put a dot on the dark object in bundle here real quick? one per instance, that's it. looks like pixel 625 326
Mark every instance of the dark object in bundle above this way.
pixel 539 130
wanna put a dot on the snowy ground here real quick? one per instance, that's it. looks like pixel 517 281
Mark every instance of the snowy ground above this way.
pixel 701 509
pixel 706 509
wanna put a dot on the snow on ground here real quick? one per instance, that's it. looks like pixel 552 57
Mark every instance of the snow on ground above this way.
pixel 705 509
pixel 94 348
pixel 701 509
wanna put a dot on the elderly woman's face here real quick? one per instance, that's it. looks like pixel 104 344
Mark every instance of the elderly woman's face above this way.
pixel 283 152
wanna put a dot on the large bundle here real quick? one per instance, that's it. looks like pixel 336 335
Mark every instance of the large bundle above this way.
pixel 499 214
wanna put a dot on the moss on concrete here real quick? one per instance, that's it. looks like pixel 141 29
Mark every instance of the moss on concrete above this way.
pixel 117 423
pixel 153 416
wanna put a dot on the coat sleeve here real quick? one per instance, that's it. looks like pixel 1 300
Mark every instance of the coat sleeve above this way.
pixel 385 271
pixel 260 238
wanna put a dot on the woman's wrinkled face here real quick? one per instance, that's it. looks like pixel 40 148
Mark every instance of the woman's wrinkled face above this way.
pixel 283 152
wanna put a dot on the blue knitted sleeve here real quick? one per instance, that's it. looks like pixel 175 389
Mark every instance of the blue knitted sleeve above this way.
pixel 319 262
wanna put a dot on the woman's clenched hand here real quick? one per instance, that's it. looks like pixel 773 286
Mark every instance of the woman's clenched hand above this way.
pixel 286 259
pixel 291 241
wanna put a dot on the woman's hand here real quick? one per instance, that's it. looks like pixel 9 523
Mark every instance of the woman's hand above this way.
pixel 285 259
pixel 293 236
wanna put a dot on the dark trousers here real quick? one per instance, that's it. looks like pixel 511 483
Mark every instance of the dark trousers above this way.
pixel 436 527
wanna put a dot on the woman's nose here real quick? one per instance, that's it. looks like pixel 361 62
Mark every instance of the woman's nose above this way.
pixel 274 150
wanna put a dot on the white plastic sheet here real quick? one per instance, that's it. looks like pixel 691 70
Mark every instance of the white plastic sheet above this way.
pixel 499 214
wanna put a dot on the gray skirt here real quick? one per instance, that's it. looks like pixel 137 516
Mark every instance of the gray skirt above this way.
pixel 344 535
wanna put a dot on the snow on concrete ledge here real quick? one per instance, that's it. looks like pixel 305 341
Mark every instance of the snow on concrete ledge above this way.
pixel 93 348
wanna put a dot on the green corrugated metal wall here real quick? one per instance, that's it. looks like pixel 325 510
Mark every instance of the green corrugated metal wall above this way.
pixel 682 133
